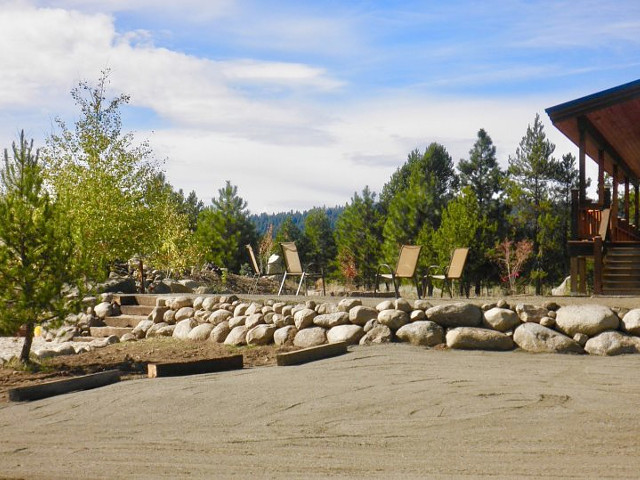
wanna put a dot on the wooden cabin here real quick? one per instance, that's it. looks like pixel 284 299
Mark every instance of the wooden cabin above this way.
pixel 606 128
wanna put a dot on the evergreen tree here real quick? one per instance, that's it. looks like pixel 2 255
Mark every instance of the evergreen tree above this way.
pixel 319 238
pixel 358 237
pixel 483 175
pixel 224 229
pixel 37 255
pixel 419 198
pixel 530 186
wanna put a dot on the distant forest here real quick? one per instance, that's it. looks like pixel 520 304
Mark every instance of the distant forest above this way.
pixel 263 220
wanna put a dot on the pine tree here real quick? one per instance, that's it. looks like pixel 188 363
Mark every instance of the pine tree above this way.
pixel 530 189
pixel 224 229
pixel 319 238
pixel 37 260
pixel 358 237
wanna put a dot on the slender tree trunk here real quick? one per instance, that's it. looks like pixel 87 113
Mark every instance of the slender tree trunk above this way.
pixel 26 346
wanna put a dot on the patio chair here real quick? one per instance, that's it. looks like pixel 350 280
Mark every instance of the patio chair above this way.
pixel 406 268
pixel 293 267
pixel 257 273
pixel 447 275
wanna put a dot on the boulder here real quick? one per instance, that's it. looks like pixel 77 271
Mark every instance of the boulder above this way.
pixel 531 313
pixel 176 287
pixel 254 320
pixel 237 336
pixel 402 304
pixel 153 331
pixel 304 318
pixel 176 303
pixel 197 303
pixel 612 343
pixel 201 332
pixel 128 337
pixel 394 319
pixel 376 335
pixel 474 338
pixel 421 304
pixel 237 321
pixel 548 322
pixel 240 309
pixel 253 308
pixel 346 304
pixel 140 330
pixel 278 306
pixel 184 313
pixel 535 338
pixel 119 285
pixel 166 331
pixel 219 316
pixel 261 334
pixel 501 319
pixel 310 337
pixel 360 315
pixel 285 335
pixel 421 332
pixel 157 314
pixel 327 308
pixel 345 333
pixel 220 332
pixel 385 305
pixel 370 324
pixel 580 338
pixel 184 327
pixel 588 319
pixel 280 320
pixel 169 317
pixel 210 302
pixel 631 322
pixel 417 315
pixel 103 310
pixel 453 315
pixel 330 320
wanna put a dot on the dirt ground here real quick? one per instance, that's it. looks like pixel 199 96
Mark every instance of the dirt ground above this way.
pixel 389 411
pixel 131 359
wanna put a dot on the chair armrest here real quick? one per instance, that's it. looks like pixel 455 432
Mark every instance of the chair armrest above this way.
pixel 385 266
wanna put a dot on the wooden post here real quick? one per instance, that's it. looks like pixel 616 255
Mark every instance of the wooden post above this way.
pixel 614 203
pixel 601 199
pixel 141 268
pixel 582 185
pixel 582 275
pixel 626 199
pixel 597 265
pixel 574 275
pixel 575 212
pixel 636 219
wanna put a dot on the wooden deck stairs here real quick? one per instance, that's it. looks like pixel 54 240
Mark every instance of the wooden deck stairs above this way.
pixel 621 269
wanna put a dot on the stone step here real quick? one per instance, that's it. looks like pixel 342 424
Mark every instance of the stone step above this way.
pixel 136 299
pixel 136 309
pixel 102 332
pixel 124 320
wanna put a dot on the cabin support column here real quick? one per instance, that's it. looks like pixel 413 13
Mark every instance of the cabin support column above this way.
pixel 636 213
pixel 626 199
pixel 581 163
pixel 614 203
pixel 601 178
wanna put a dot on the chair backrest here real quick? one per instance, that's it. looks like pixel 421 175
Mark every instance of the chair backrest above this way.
pixel 408 261
pixel 604 223
pixel 458 259
pixel 291 258
pixel 254 263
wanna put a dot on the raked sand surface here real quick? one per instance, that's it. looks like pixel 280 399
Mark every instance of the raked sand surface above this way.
pixel 390 411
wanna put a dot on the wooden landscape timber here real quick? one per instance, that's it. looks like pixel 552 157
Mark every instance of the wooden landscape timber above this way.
pixel 311 354
pixel 222 364
pixel 58 387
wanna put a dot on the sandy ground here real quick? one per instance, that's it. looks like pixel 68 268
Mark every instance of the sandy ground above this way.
pixel 391 411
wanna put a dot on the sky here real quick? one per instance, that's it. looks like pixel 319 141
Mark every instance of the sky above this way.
pixel 302 103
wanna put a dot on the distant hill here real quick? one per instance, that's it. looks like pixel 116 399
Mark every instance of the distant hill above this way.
pixel 263 220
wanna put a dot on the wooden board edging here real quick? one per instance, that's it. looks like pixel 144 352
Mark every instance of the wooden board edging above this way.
pixel 58 387
pixel 311 354
pixel 234 362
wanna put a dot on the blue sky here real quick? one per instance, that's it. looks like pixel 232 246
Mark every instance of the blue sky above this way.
pixel 300 104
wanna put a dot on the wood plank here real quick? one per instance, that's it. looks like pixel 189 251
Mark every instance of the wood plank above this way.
pixel 221 364
pixel 311 354
pixel 58 387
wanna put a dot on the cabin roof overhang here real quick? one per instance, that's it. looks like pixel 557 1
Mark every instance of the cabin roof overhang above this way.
pixel 609 122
